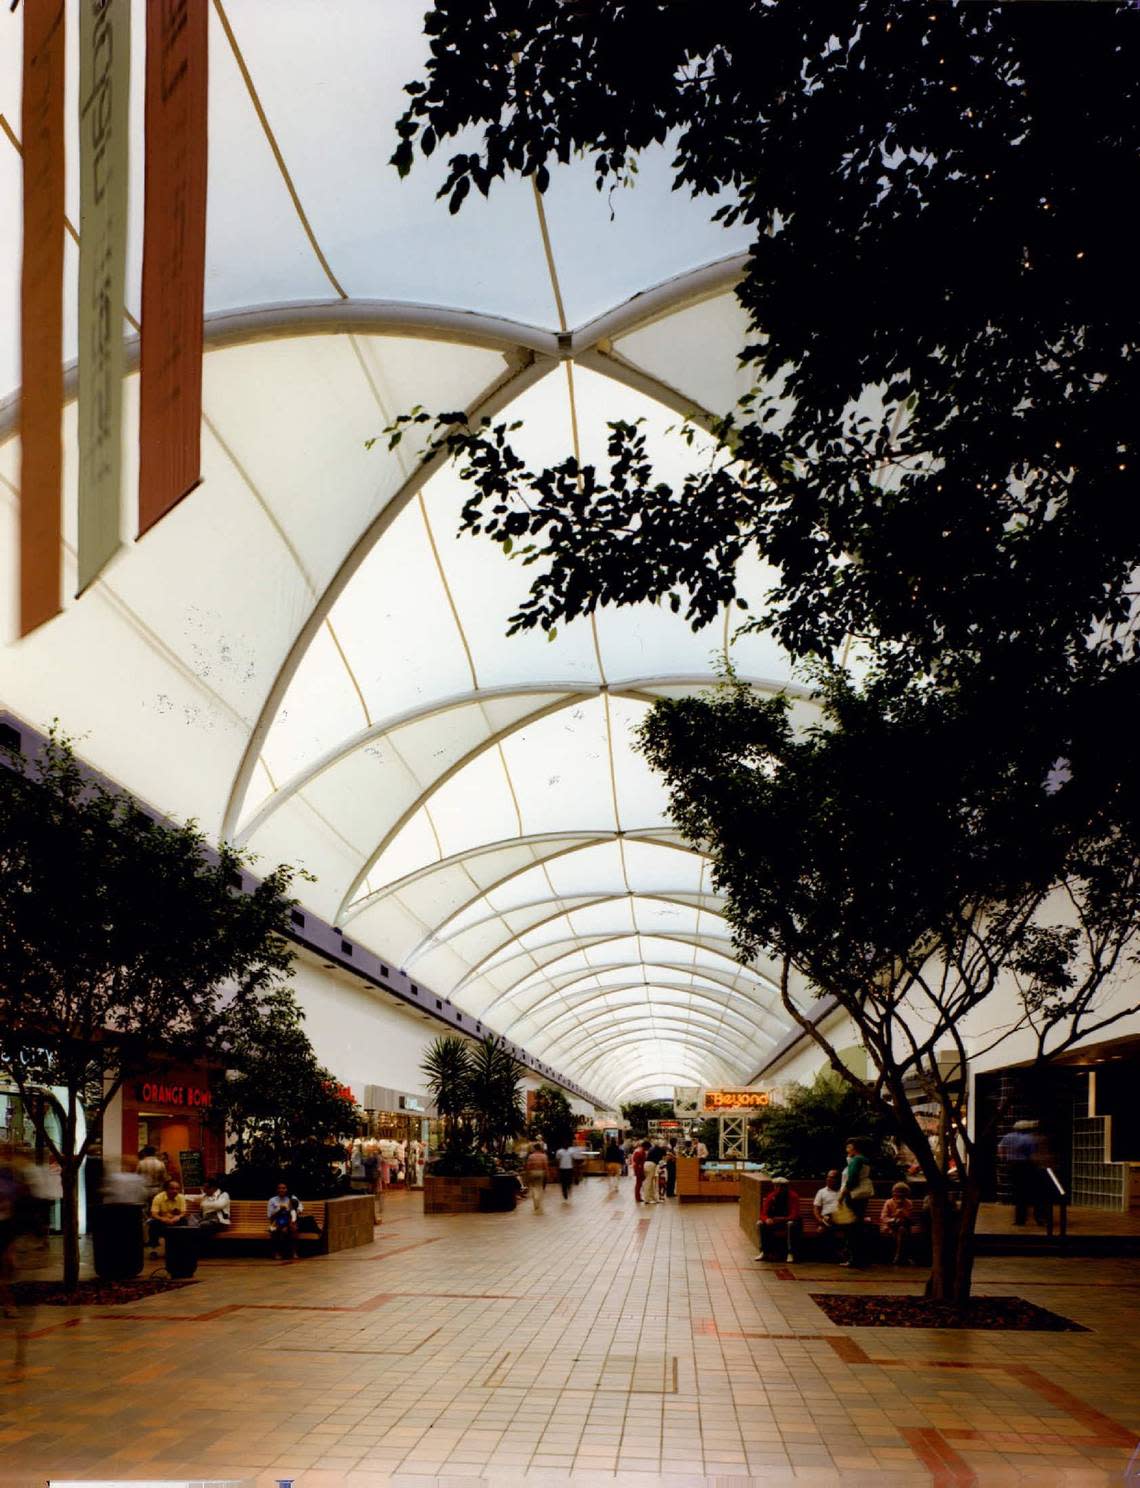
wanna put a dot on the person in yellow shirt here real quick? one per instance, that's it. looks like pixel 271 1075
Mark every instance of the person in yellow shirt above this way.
pixel 168 1207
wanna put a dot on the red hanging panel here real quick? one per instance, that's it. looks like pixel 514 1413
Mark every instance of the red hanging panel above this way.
pixel 41 313
pixel 174 256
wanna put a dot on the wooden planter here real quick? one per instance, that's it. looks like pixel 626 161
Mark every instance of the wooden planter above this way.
pixel 348 1222
pixel 454 1195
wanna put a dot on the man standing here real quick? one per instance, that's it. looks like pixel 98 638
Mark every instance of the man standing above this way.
pixel 637 1162
pixel 564 1157
pixel 1018 1149
pixel 671 1170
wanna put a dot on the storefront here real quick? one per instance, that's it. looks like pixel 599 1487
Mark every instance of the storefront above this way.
pixel 170 1109
pixel 400 1116
pixel 20 1117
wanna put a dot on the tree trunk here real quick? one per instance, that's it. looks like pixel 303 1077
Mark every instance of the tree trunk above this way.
pixel 69 1207
pixel 69 1223
pixel 952 1244
pixel 964 1249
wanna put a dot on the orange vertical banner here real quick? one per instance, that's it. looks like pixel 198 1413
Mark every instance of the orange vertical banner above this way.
pixel 174 256
pixel 41 314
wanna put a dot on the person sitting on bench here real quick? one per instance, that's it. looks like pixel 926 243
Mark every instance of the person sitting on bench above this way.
pixel 167 1208
pixel 779 1214
pixel 896 1222
pixel 282 1211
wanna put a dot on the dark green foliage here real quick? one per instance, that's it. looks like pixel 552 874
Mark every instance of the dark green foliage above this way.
pixel 934 195
pixel 283 1109
pixel 803 1136
pixel 119 937
pixel 477 1090
pixel 495 1094
pixel 893 858
pixel 551 1118
pixel 638 1114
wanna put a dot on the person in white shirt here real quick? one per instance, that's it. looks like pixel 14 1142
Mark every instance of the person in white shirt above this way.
pixel 824 1205
pixel 214 1207
pixel 282 1211
pixel 564 1157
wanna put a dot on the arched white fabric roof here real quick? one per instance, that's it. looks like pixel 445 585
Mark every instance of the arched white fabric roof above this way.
pixel 305 657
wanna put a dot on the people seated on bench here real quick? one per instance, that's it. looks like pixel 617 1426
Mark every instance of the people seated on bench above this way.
pixel 897 1221
pixel 282 1210
pixel 824 1205
pixel 779 1215
pixel 214 1207
pixel 168 1207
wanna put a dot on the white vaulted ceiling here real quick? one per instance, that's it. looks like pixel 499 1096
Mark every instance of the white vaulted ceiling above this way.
pixel 307 658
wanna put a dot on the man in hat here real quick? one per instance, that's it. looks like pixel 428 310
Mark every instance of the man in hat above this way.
pixel 779 1216
pixel 1020 1150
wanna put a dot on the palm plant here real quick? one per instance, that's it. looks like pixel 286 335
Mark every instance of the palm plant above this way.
pixel 448 1067
pixel 495 1094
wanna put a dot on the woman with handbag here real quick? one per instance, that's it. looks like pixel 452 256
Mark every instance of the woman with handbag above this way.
pixel 854 1192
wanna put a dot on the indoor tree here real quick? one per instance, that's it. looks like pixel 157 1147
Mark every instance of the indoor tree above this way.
pixel 944 317
pixel 887 857
pixel 551 1118
pixel 494 1091
pixel 447 1066
pixel 284 1111
pixel 121 938
pixel 802 1134
pixel 638 1114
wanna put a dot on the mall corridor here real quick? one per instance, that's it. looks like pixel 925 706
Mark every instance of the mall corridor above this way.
pixel 595 1343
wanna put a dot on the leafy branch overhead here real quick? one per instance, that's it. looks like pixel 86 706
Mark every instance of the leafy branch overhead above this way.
pixel 944 313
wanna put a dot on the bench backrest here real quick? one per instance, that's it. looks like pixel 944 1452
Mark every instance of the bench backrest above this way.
pixel 249 1214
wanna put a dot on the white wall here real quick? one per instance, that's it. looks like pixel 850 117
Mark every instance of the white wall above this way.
pixel 359 1033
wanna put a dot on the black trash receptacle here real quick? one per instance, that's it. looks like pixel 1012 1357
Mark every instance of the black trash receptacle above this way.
pixel 181 1244
pixel 501 1196
pixel 117 1232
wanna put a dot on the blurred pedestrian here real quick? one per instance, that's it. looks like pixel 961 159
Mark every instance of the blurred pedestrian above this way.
pixel 535 1170
pixel 856 1190
pixel 613 1156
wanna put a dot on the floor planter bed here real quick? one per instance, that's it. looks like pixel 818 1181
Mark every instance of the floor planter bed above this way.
pixel 465 1195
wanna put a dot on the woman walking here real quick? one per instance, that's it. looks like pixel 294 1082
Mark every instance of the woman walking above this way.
pixel 535 1171
pixel 855 1190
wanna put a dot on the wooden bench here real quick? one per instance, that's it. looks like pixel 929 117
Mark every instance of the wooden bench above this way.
pixel 806 1190
pixel 249 1222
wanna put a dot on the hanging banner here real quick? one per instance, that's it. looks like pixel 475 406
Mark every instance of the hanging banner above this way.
pixel 41 313
pixel 104 96
pixel 174 256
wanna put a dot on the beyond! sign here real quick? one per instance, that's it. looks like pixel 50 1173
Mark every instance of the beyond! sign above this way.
pixel 735 1100
pixel 173 1095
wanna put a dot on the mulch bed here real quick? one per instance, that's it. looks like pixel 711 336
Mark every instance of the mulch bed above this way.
pixel 93 1293
pixel 990 1313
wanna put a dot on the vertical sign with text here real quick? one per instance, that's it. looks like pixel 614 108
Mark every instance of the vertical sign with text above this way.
pixel 41 313
pixel 174 256
pixel 104 98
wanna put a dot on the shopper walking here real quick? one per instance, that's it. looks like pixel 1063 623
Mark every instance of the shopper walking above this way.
pixel 855 1191
pixel 613 1157
pixel 534 1174
pixel 637 1163
pixel 564 1157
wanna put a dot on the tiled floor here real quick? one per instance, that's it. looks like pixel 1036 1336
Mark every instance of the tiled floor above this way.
pixel 596 1343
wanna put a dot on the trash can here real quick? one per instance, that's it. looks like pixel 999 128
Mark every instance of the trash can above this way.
pixel 181 1244
pixel 501 1196
pixel 117 1232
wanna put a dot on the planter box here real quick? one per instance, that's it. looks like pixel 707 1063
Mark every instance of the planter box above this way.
pixel 455 1195
pixel 348 1222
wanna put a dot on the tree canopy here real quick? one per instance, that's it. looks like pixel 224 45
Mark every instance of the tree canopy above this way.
pixel 121 937
pixel 939 454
